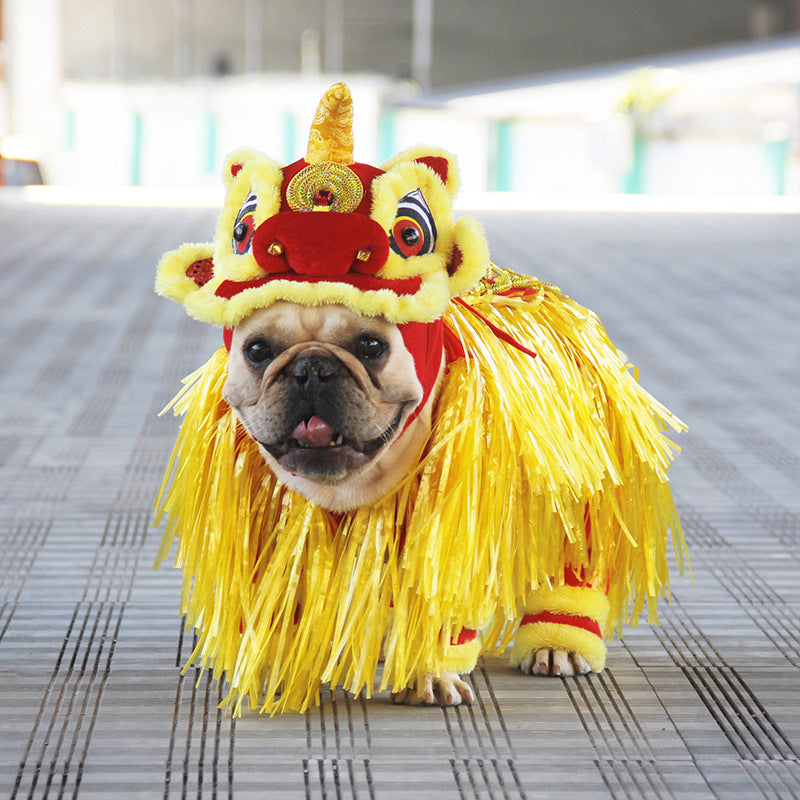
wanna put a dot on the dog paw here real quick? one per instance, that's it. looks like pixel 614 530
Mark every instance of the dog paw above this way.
pixel 557 663
pixel 446 690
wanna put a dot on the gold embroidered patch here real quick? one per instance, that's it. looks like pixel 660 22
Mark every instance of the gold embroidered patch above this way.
pixel 327 185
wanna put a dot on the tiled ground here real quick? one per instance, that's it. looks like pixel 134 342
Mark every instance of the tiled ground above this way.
pixel 92 703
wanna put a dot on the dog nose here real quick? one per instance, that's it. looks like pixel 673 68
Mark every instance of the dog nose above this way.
pixel 312 370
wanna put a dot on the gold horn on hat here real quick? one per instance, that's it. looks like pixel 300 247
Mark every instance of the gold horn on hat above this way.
pixel 331 137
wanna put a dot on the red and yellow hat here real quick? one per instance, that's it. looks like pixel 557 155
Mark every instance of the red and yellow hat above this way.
pixel 326 229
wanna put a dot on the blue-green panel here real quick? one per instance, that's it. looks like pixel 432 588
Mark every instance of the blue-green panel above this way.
pixel 386 135
pixel 137 149
pixel 211 161
pixel 290 153
pixel 501 169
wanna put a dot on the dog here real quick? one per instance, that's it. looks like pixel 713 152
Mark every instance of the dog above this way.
pixel 399 441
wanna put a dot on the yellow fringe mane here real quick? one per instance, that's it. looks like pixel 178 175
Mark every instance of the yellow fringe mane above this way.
pixel 523 452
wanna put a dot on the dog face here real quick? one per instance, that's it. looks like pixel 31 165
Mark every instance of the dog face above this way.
pixel 327 393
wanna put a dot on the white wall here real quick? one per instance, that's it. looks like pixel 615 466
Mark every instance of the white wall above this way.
pixel 32 30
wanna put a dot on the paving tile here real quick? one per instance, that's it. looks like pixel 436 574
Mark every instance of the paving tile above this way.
pixel 93 703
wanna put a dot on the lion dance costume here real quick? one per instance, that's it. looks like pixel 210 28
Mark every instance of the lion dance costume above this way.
pixel 540 511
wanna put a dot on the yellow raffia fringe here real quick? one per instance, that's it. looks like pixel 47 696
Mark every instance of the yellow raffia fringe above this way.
pixel 286 597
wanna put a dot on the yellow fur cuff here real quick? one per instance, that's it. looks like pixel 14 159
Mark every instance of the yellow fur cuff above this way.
pixel 462 658
pixel 559 637
pixel 577 601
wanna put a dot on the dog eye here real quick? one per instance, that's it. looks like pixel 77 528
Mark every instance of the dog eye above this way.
pixel 258 353
pixel 369 348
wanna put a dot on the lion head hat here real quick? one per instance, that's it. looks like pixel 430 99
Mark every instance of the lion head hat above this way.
pixel 327 229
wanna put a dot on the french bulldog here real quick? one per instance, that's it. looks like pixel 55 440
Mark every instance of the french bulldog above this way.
pixel 327 393
pixel 341 288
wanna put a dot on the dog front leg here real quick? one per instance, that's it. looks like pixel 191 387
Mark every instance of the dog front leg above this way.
pixel 562 632
pixel 446 688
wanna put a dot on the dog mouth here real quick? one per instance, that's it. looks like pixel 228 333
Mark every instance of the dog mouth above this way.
pixel 316 449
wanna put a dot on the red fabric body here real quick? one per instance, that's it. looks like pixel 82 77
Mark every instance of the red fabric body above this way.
pixel 425 342
pixel 321 244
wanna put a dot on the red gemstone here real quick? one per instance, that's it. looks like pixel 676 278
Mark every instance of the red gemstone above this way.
pixel 323 197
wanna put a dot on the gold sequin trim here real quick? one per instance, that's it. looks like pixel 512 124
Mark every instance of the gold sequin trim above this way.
pixel 501 281
pixel 342 184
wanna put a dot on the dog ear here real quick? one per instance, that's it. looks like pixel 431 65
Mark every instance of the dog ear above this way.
pixel 185 270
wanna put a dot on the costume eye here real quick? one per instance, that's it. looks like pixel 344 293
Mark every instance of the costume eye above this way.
pixel 258 353
pixel 244 226
pixel 370 348
pixel 413 231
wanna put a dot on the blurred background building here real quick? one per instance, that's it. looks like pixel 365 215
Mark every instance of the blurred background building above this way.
pixel 541 96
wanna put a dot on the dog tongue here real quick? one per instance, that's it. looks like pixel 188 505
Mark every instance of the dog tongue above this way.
pixel 316 433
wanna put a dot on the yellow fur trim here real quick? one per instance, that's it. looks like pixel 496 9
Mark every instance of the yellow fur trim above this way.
pixel 453 173
pixel 246 157
pixel 462 658
pixel 579 601
pixel 285 596
pixel 171 279
pixel 471 242
pixel 559 637
pixel 424 306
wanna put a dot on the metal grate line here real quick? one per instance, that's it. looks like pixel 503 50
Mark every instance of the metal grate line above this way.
pixel 467 761
pixel 481 716
pixel 19 341
pixel 495 707
pixel 737 711
pixel 76 689
pixel 20 548
pixel 619 741
pixel 58 368
pixel 698 529
pixel 9 444
pixel 181 361
pixel 767 449
pixel 755 596
pixel 192 717
pixel 752 501
pixel 775 780
pixel 339 775
pixel 632 779
pixel 97 621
